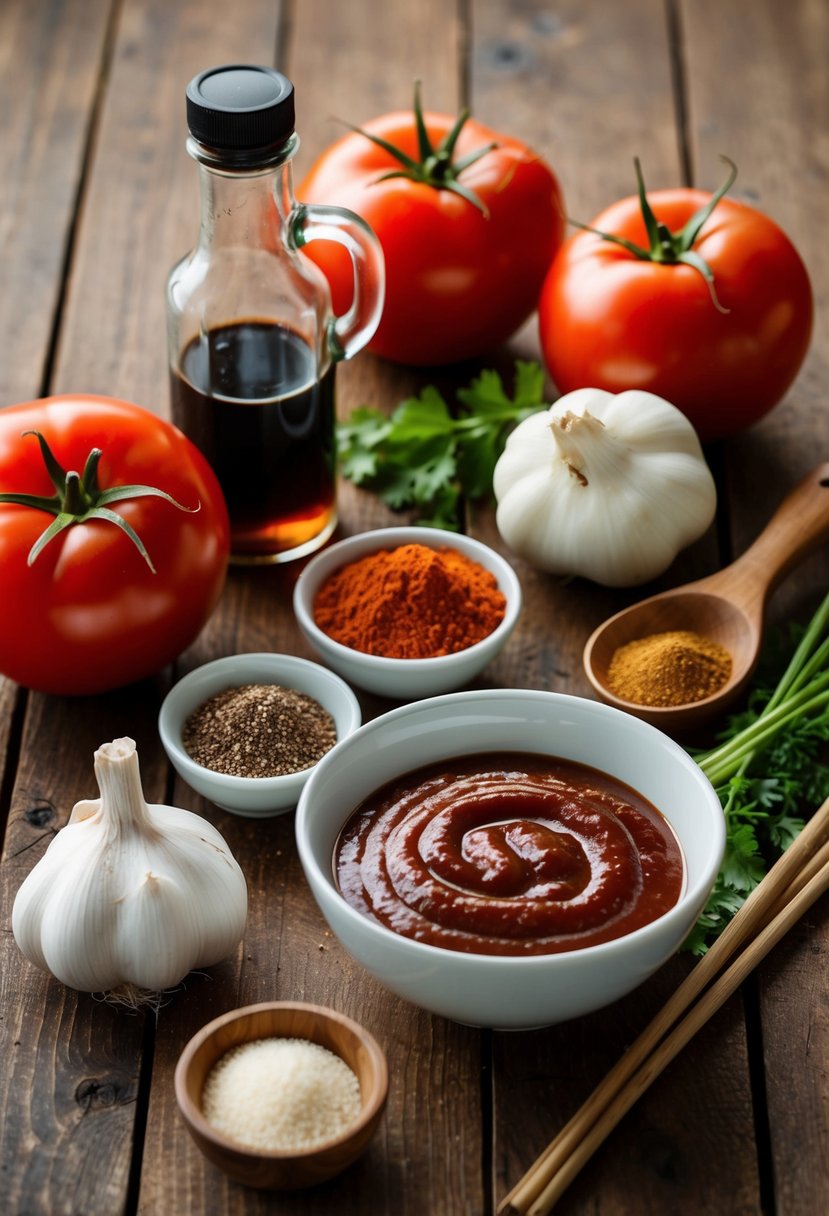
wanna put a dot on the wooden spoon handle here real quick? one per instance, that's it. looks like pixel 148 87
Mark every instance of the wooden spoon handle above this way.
pixel 799 525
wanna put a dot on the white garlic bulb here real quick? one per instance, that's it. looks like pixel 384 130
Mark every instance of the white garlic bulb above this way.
pixel 129 898
pixel 609 487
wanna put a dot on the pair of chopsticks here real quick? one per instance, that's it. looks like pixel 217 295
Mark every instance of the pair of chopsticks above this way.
pixel 792 885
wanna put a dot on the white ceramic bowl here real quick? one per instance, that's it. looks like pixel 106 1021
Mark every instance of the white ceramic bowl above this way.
pixel 254 797
pixel 404 679
pixel 489 990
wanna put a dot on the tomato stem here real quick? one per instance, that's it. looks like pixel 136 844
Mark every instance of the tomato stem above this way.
pixel 79 499
pixel 437 166
pixel 667 247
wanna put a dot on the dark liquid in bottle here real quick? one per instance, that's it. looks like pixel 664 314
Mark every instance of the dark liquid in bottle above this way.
pixel 248 396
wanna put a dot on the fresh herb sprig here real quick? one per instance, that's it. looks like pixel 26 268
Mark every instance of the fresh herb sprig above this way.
pixel 426 457
pixel 766 769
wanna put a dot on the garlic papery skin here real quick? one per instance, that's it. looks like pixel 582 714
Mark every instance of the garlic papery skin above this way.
pixel 130 896
pixel 606 486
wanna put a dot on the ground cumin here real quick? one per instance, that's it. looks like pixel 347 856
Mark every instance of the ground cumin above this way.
pixel 673 668
pixel 411 602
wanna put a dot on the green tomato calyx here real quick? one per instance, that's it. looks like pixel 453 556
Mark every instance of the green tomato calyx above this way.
pixel 672 248
pixel 78 498
pixel 437 166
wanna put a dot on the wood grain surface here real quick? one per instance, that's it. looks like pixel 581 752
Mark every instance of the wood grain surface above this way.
pixel 98 200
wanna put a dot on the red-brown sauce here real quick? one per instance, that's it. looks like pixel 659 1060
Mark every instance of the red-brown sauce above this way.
pixel 509 854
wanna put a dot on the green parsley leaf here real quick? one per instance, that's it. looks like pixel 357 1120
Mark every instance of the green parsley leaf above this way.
pixel 359 465
pixel 476 463
pixel 426 457
pixel 420 418
pixel 529 384
pixel 742 866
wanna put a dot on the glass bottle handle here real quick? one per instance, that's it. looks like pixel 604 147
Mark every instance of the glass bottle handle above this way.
pixel 351 331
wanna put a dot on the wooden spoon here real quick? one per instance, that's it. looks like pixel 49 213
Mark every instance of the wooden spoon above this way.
pixel 728 607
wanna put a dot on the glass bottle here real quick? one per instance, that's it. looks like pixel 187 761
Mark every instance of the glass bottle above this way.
pixel 253 343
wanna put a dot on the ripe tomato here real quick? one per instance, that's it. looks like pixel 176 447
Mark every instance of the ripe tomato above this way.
pixel 726 355
pixel 460 277
pixel 89 612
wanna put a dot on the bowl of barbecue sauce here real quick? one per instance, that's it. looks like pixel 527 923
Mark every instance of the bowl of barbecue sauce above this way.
pixel 510 858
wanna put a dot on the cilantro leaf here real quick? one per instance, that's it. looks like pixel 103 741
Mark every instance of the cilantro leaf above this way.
pixel 424 456
pixel 485 395
pixel 433 471
pixel 358 441
pixel 366 428
pixel 476 463
pixel 420 418
pixel 359 464
pixel 529 384
pixel 742 866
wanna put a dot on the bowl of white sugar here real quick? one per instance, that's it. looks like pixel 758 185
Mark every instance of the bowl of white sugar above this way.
pixel 282 1095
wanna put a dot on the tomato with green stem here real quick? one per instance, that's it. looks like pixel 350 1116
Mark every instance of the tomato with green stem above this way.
pixel 693 296
pixel 114 543
pixel 469 221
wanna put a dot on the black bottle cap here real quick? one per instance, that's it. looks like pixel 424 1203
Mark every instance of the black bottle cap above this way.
pixel 240 108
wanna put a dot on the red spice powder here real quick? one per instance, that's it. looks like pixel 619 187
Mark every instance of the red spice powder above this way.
pixel 411 602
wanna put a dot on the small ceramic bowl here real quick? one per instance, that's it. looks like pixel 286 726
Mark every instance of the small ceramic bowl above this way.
pixel 282 1019
pixel 254 797
pixel 405 679
pixel 502 991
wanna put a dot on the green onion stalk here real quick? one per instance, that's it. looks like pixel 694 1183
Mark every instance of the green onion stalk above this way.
pixel 786 728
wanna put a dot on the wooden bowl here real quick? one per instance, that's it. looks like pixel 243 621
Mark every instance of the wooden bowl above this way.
pixel 289 1169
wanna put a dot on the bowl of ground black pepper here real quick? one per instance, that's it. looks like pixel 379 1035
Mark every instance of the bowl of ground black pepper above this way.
pixel 246 731
pixel 408 612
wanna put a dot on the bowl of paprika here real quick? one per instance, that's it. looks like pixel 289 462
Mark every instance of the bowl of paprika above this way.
pixel 407 612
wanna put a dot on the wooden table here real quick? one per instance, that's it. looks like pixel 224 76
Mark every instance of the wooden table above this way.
pixel 97 200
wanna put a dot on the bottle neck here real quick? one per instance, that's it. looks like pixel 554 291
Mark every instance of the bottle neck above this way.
pixel 245 206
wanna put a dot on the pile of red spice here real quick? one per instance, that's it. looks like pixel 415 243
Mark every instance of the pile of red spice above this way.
pixel 411 602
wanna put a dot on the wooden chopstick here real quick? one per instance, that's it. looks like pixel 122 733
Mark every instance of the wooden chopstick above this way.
pixel 707 1005
pixel 795 881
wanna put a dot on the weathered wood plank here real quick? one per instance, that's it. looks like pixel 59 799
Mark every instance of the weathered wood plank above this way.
pixel 140 209
pixel 766 116
pixel 666 1155
pixel 71 1075
pixel 69 1087
pixel 10 698
pixel 72 1098
pixel 591 87
pixel 288 952
pixel 50 61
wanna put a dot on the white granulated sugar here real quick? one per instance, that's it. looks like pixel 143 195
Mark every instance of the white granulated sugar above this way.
pixel 281 1094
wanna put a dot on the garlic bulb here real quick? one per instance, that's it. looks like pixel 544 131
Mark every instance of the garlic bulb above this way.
pixel 610 487
pixel 128 897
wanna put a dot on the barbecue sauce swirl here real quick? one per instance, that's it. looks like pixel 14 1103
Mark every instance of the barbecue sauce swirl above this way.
pixel 509 854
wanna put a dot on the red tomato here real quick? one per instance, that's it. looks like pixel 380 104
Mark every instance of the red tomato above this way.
pixel 89 613
pixel 459 280
pixel 611 320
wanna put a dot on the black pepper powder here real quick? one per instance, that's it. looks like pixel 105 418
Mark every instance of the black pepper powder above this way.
pixel 259 730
